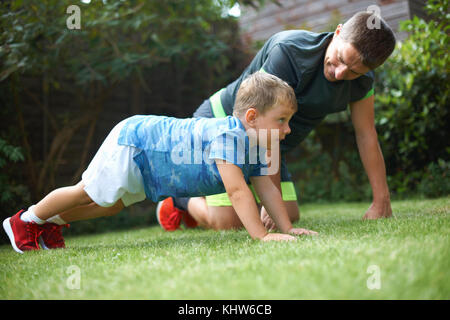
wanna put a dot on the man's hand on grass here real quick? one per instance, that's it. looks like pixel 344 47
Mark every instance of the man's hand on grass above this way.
pixel 378 210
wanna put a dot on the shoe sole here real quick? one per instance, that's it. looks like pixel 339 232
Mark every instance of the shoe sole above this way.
pixel 157 212
pixel 42 244
pixel 10 233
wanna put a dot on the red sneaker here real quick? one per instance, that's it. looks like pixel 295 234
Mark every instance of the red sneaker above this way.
pixel 169 217
pixel 23 235
pixel 51 237
pixel 188 220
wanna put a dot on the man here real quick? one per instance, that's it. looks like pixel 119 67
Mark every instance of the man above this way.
pixel 328 71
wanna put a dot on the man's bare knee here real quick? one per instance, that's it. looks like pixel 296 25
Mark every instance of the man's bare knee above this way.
pixel 226 224
pixel 293 211
pixel 223 218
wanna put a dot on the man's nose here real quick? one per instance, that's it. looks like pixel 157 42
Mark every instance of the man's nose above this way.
pixel 340 72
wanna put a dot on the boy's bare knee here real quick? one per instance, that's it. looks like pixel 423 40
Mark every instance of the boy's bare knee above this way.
pixel 111 211
pixel 84 198
pixel 115 209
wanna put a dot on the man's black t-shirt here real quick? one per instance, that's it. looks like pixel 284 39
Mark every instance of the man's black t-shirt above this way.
pixel 297 56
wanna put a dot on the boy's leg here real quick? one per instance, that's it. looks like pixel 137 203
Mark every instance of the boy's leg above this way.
pixel 91 211
pixel 61 200
pixel 52 238
pixel 24 228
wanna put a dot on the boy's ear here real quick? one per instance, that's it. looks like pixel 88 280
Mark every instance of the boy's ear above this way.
pixel 250 116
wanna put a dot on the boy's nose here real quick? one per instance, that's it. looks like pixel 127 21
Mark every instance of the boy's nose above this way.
pixel 287 130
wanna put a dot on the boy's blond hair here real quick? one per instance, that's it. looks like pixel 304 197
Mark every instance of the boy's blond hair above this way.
pixel 263 91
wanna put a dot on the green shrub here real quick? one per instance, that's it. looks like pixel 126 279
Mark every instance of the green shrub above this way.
pixel 12 193
pixel 412 91
pixel 321 176
pixel 435 181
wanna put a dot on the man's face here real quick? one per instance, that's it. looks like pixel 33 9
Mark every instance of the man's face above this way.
pixel 342 60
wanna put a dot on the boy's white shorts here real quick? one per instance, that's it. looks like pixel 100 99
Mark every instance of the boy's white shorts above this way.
pixel 113 174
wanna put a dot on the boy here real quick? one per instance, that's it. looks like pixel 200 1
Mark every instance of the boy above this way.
pixel 150 156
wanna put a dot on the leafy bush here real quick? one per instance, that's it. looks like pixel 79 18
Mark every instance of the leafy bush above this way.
pixel 412 91
pixel 435 181
pixel 325 175
pixel 12 193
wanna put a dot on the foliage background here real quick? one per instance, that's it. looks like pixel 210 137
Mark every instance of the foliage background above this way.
pixel 62 90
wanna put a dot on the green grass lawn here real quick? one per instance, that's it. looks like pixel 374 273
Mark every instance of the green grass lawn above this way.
pixel 408 255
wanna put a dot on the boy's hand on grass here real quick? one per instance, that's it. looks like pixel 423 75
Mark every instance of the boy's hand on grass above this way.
pixel 278 237
pixel 301 231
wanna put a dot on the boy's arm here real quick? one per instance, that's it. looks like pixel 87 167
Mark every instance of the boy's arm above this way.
pixel 271 199
pixel 244 203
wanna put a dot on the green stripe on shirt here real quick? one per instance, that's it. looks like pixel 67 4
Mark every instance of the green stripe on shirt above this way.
pixel 370 93
pixel 216 105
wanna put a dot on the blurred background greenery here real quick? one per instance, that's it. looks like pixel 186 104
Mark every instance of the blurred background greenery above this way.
pixel 61 92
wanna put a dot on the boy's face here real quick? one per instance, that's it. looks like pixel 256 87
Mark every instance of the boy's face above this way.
pixel 275 121
pixel 342 61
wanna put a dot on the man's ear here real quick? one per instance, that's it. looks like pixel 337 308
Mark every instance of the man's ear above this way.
pixel 250 116
pixel 338 29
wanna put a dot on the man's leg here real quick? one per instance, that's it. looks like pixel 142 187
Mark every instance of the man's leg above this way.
pixel 290 201
pixel 213 217
pixel 293 212
pixel 218 214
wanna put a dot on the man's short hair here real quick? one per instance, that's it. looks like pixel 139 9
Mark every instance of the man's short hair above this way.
pixel 263 91
pixel 374 42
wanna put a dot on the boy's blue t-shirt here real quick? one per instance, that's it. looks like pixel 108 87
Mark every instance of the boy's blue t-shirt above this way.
pixel 177 155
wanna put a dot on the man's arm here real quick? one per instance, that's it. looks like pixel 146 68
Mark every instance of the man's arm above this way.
pixel 244 203
pixel 363 119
